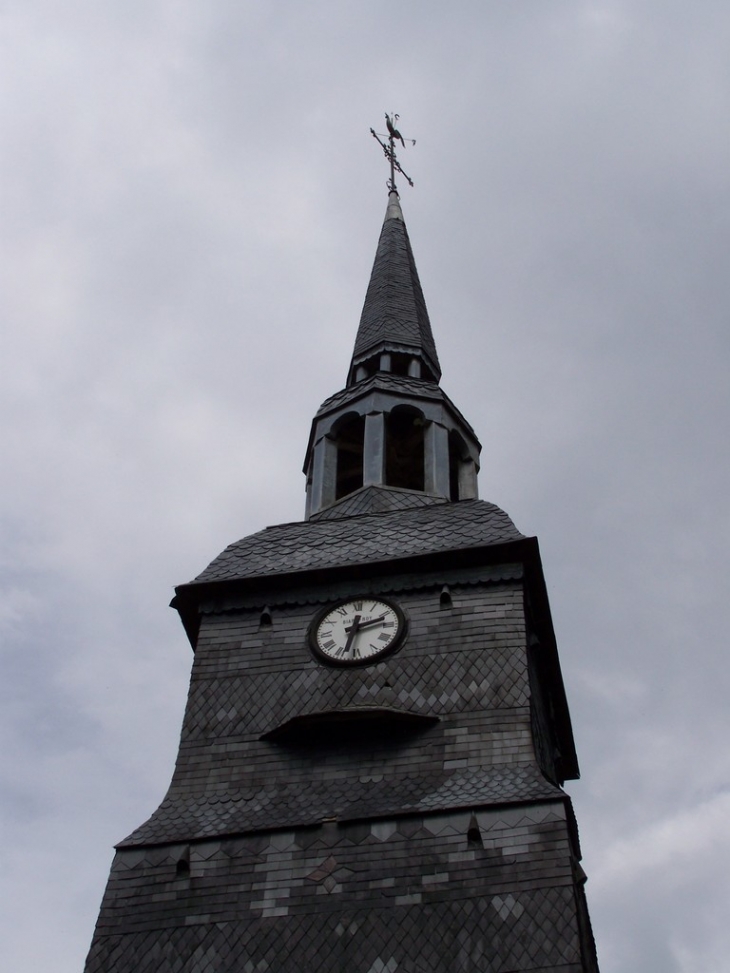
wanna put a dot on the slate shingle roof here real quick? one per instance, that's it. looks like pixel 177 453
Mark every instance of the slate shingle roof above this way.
pixel 313 544
pixel 280 805
pixel 395 311
pixel 376 500
pixel 408 388
pixel 387 382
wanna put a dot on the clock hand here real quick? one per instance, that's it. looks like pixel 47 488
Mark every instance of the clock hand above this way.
pixel 352 632
pixel 372 621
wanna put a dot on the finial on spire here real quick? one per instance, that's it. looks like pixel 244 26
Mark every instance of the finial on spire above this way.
pixel 389 149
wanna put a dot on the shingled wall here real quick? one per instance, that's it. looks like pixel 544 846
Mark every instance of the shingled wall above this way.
pixel 412 894
pixel 465 667
pixel 441 847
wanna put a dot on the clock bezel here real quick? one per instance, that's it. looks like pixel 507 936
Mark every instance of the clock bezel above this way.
pixel 389 649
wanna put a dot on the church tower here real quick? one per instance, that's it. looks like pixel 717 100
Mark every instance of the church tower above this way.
pixel 376 735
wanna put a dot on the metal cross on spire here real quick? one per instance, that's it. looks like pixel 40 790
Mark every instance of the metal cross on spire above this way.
pixel 388 148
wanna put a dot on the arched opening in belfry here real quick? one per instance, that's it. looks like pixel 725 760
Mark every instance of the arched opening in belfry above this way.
pixel 458 458
pixel 349 436
pixel 404 453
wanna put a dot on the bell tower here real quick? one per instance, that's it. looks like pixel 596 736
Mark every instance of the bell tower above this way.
pixel 376 736
pixel 392 429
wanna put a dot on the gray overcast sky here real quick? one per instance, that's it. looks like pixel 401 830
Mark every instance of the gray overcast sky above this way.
pixel 191 203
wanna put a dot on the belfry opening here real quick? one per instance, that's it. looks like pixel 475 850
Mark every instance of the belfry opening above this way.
pixel 349 437
pixel 404 452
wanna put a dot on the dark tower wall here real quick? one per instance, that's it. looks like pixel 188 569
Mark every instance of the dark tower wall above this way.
pixel 360 839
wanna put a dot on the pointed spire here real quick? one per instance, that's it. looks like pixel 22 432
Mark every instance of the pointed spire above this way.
pixel 394 320
pixel 392 439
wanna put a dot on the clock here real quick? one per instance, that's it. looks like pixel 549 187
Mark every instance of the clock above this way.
pixel 357 631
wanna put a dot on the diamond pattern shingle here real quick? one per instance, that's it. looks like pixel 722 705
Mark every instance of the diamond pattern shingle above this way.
pixel 312 544
pixel 404 894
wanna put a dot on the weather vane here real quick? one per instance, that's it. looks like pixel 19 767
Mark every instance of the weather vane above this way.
pixel 388 148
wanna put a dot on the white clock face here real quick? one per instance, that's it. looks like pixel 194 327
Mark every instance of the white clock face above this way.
pixel 358 631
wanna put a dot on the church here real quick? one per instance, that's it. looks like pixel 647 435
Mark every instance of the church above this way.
pixel 376 736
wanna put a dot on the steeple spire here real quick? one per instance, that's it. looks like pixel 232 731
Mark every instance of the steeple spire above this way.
pixel 392 438
pixel 395 332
